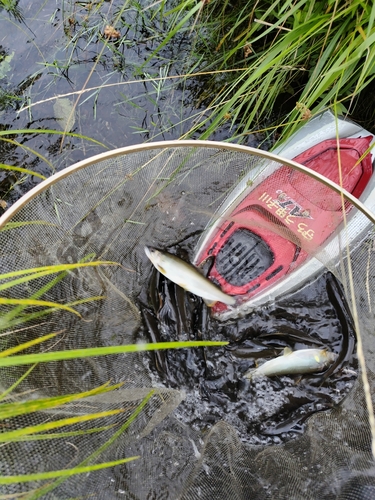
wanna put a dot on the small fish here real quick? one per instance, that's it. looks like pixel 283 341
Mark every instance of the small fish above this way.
pixel 188 277
pixel 252 348
pixel 153 331
pixel 294 362
pixel 294 334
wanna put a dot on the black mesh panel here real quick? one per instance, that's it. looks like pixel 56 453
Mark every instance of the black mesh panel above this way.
pixel 244 257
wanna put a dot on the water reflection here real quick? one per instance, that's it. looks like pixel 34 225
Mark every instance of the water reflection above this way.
pixel 121 95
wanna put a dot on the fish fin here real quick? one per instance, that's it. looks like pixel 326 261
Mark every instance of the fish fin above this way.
pixel 206 265
pixel 287 351
pixel 324 352
pixel 253 374
pixel 249 374
pixel 231 301
pixel 160 269
pixel 209 303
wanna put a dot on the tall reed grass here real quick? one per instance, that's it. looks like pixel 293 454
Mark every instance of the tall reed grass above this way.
pixel 311 55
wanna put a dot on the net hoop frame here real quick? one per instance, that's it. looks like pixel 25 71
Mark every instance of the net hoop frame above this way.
pixel 164 145
pixel 4 219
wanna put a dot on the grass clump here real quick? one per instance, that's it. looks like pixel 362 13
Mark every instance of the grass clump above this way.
pixel 311 55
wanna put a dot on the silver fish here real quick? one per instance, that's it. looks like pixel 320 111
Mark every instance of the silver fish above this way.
pixel 188 277
pixel 294 362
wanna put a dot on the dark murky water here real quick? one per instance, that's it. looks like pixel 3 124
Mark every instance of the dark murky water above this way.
pixel 263 410
pixel 118 94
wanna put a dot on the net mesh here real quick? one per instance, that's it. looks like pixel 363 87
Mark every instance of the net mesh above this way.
pixel 109 209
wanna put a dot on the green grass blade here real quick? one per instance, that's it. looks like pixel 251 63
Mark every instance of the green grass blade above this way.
pixel 16 311
pixel 100 450
pixel 29 150
pixel 47 357
pixel 26 345
pixel 62 473
pixel 371 19
pixel 45 271
pixel 57 424
pixel 6 324
pixel 6 319
pixel 174 30
pixel 67 434
pixel 58 268
pixel 25 279
pixel 4 394
pixel 42 303
pixel 15 225
pixel 14 409
pixel 22 170
pixel 49 131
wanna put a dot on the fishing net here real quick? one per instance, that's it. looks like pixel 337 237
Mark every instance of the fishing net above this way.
pixel 191 442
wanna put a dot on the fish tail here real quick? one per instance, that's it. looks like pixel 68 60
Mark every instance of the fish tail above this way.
pixel 250 373
pixel 209 303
